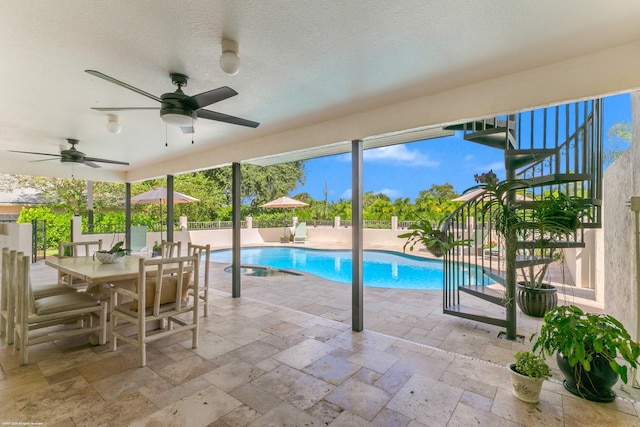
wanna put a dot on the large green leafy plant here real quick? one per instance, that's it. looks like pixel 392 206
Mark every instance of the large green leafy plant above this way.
pixel 117 249
pixel 579 336
pixel 519 219
pixel 435 240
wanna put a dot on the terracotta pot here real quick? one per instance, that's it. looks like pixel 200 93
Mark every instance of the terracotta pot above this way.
pixel 535 302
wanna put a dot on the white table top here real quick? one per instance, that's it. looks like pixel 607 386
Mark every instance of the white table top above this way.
pixel 94 272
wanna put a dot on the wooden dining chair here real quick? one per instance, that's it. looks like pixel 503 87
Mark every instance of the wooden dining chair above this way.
pixel 160 295
pixel 202 253
pixel 170 249
pixel 8 293
pixel 77 311
pixel 76 250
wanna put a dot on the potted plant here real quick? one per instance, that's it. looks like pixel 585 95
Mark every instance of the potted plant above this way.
pixel 539 222
pixel 587 346
pixel 435 240
pixel 157 249
pixel 112 255
pixel 527 374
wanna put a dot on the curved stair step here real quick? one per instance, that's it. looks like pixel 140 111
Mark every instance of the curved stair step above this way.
pixel 531 260
pixel 497 275
pixel 495 296
pixel 474 314
pixel 549 244
pixel 516 159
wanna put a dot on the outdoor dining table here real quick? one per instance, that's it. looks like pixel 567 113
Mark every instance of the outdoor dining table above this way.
pixel 98 275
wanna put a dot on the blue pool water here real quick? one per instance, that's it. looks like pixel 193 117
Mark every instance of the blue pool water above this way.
pixel 381 269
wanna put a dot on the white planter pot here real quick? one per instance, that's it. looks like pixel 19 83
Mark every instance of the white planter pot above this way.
pixel 525 388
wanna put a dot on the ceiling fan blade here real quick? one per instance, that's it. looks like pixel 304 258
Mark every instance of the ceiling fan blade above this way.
pixel 210 97
pixel 95 159
pixel 212 115
pixel 91 164
pixel 123 84
pixel 124 108
pixel 41 160
pixel 31 152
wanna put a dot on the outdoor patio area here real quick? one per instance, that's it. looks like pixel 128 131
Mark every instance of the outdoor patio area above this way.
pixel 284 354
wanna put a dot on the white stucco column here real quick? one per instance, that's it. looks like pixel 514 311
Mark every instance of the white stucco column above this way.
pixel 182 222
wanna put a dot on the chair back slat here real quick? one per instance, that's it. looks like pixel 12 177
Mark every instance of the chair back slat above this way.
pixel 8 303
pixel 78 249
pixel 178 266
pixel 4 291
pixel 24 302
pixel 202 253
pixel 170 249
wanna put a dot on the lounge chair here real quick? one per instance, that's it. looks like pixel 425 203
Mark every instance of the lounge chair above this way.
pixel 300 233
pixel 139 239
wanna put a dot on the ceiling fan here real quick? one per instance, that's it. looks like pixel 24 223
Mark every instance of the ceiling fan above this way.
pixel 180 109
pixel 72 155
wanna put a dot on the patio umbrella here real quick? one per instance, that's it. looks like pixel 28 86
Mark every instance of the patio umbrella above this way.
pixel 284 202
pixel 159 196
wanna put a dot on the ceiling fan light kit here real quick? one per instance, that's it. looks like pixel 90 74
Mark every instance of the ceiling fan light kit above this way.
pixel 179 109
pixel 229 60
pixel 113 123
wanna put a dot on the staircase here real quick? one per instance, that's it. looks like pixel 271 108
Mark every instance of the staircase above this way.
pixel 558 149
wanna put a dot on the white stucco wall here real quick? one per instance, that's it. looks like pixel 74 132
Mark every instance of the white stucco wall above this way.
pixel 621 182
pixel 18 237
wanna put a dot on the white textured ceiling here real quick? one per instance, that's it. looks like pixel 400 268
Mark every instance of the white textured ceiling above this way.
pixel 313 73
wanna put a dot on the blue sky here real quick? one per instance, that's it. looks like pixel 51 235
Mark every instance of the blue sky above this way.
pixel 405 170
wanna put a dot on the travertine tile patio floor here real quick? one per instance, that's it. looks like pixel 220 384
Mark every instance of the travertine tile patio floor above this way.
pixel 284 354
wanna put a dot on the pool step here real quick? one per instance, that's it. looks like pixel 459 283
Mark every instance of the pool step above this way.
pixel 495 296
pixel 471 313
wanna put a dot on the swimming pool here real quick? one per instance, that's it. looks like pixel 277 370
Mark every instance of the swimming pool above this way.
pixel 381 268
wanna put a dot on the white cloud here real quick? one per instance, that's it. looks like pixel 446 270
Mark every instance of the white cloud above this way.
pixel 397 154
pixel 346 194
pixel 495 166
pixel 393 194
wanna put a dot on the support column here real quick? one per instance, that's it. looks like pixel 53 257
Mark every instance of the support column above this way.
pixel 357 303
pixel 90 206
pixel 127 215
pixel 169 208
pixel 236 180
pixel 511 241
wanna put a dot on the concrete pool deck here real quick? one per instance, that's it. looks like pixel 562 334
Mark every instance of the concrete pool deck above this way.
pixel 284 354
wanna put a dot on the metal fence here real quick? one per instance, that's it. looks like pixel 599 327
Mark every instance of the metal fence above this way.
pixel 213 225
pixel 114 228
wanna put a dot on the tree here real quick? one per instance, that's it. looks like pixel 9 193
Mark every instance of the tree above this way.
pixel 620 140
pixel 380 209
pixel 68 195
pixel 342 208
pixel 435 203
pixel 404 209
pixel 260 184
